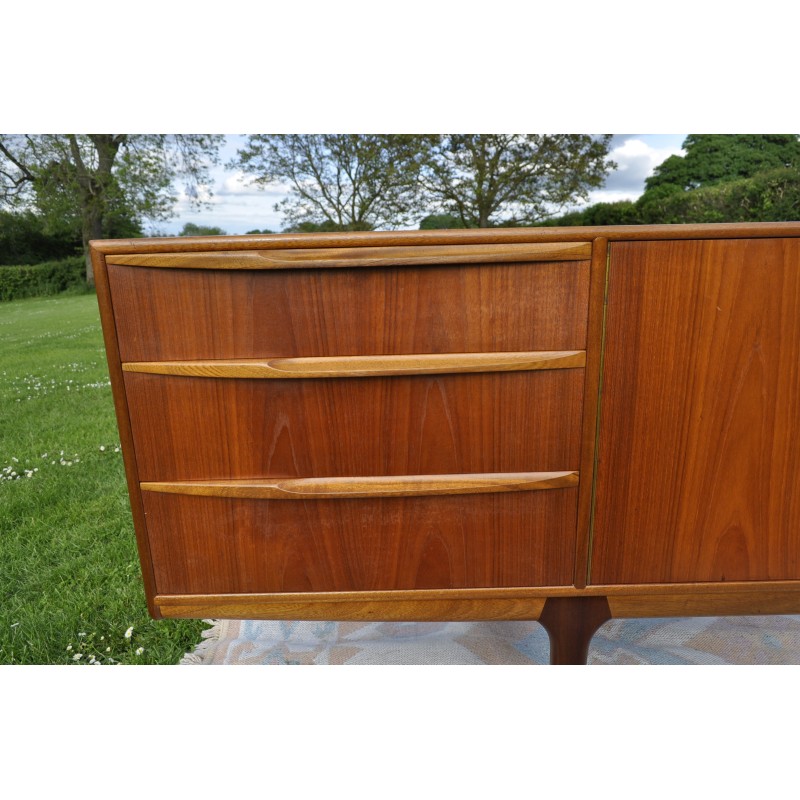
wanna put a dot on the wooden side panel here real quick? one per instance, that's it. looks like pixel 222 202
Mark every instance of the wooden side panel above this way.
pixel 209 545
pixel 207 314
pixel 124 424
pixel 206 428
pixel 699 468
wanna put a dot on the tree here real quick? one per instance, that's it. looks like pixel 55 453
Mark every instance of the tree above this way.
pixel 510 179
pixel 714 158
pixel 191 229
pixel 351 181
pixel 100 181
pixel 691 188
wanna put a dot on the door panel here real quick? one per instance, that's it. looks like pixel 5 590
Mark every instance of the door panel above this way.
pixel 699 451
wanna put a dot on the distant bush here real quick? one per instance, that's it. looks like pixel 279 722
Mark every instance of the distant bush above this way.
pixel 191 229
pixel 49 277
pixel 623 212
pixel 435 222
pixel 326 227
pixel 770 196
pixel 24 239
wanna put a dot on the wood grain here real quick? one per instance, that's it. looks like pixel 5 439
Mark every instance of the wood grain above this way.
pixel 212 545
pixel 169 315
pixel 369 486
pixel 209 428
pixel 410 609
pixel 360 256
pixel 364 366
pixel 689 604
pixel 521 603
pixel 700 429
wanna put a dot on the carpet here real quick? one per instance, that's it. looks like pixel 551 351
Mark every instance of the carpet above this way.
pixel 699 640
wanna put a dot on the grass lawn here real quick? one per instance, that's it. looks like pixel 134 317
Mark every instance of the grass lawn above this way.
pixel 69 571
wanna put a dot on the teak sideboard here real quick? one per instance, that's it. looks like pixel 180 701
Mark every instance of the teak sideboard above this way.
pixel 566 425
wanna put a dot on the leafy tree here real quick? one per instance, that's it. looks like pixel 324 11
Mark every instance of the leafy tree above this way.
pixel 714 158
pixel 510 179
pixel 265 230
pixel 101 182
pixel 690 188
pixel 351 181
pixel 191 229
pixel 434 222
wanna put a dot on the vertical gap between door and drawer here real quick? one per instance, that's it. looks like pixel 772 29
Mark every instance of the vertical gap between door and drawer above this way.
pixel 596 458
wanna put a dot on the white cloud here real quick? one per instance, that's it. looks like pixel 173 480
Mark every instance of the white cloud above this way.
pixel 240 184
pixel 636 156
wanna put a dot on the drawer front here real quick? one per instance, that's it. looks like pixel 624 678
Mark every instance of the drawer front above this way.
pixel 189 428
pixel 433 407
pixel 212 545
pixel 173 314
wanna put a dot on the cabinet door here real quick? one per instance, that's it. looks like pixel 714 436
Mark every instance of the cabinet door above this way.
pixel 699 445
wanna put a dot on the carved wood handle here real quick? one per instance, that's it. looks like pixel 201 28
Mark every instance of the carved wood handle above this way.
pixel 360 256
pixel 364 366
pixel 360 487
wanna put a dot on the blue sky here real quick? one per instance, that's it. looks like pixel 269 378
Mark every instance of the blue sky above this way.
pixel 238 206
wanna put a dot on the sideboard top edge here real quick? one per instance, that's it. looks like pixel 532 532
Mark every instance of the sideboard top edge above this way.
pixel 281 241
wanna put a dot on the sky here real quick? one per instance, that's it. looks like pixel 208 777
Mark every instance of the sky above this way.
pixel 237 206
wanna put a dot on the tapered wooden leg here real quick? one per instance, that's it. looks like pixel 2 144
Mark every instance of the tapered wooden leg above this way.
pixel 570 623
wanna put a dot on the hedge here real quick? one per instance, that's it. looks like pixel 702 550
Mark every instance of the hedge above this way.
pixel 49 277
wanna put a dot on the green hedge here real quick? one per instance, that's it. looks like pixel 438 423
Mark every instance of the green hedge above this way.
pixel 772 196
pixel 49 277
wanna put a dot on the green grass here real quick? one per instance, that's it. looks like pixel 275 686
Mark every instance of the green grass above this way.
pixel 69 571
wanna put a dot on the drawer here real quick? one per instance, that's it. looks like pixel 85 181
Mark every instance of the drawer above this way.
pixel 187 312
pixel 213 545
pixel 194 428
pixel 355 419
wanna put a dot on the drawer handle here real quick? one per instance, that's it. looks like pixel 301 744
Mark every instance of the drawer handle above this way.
pixel 361 256
pixel 388 486
pixel 364 366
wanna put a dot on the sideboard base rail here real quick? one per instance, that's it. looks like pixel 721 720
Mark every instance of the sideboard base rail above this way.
pixel 570 616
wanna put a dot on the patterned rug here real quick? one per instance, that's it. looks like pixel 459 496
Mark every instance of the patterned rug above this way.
pixel 699 640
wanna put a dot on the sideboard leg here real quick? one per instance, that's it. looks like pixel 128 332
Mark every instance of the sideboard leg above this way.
pixel 570 623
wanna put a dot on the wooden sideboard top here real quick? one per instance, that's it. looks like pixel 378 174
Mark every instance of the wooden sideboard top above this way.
pixel 180 244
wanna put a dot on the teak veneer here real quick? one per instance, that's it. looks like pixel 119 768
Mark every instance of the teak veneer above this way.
pixel 566 425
